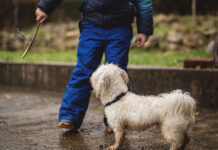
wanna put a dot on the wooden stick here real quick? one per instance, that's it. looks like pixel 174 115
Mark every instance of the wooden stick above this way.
pixel 32 41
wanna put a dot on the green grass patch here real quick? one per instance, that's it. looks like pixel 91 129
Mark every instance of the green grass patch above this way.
pixel 136 57
pixel 41 56
pixel 169 58
pixel 162 30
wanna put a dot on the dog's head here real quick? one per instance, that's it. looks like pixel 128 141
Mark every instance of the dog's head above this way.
pixel 108 79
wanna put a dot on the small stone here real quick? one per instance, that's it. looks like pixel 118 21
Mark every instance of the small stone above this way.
pixel 209 48
pixel 174 37
pixel 193 40
pixel 7 96
pixel 154 41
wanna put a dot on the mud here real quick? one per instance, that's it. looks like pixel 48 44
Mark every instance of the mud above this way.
pixel 28 120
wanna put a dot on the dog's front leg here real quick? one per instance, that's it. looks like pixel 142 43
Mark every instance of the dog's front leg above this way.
pixel 119 133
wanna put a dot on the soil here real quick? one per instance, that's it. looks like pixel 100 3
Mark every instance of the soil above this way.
pixel 29 118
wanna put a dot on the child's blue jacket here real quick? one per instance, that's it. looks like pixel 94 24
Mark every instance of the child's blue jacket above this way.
pixel 110 13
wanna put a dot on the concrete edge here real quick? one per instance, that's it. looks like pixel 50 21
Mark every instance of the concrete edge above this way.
pixel 135 67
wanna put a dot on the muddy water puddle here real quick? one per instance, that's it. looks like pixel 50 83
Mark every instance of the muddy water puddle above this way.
pixel 28 120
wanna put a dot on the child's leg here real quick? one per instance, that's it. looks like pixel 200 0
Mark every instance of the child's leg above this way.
pixel 77 93
pixel 117 48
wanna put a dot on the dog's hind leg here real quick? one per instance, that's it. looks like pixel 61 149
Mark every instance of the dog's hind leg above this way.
pixel 180 145
pixel 186 140
pixel 178 142
pixel 119 134
pixel 175 136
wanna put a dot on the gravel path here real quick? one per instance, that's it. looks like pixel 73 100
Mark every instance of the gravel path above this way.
pixel 28 120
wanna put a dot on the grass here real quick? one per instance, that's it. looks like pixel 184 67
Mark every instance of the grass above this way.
pixel 169 58
pixel 40 56
pixel 136 57
pixel 162 30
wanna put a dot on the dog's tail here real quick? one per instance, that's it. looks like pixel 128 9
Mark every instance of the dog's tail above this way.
pixel 179 115
pixel 179 104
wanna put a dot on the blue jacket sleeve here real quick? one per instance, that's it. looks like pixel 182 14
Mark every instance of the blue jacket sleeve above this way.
pixel 48 5
pixel 144 16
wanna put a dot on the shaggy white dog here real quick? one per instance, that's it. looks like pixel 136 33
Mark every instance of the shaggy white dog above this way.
pixel 174 111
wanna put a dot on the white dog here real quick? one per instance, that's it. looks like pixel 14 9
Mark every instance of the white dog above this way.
pixel 174 112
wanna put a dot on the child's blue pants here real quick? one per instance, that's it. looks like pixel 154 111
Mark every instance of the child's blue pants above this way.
pixel 93 42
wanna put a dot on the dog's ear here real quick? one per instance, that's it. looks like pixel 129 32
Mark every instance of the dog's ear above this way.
pixel 102 85
pixel 124 76
pixel 105 84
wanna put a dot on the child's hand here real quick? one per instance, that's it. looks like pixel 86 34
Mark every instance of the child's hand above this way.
pixel 40 15
pixel 141 39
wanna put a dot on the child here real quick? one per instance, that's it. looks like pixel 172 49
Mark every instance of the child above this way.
pixel 105 28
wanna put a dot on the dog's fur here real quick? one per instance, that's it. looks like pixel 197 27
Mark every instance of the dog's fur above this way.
pixel 174 111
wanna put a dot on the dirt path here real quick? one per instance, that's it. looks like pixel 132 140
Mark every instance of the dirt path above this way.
pixel 28 120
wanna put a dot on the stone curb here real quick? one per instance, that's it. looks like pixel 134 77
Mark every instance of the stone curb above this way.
pixel 202 84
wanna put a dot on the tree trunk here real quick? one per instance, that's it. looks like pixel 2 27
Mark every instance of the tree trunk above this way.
pixel 15 13
pixel 194 12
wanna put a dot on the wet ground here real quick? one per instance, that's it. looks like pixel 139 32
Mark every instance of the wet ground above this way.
pixel 28 120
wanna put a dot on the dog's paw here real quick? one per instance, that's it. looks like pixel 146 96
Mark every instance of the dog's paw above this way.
pixel 112 147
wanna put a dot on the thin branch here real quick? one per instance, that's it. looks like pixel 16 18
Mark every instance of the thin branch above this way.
pixel 22 35
pixel 32 41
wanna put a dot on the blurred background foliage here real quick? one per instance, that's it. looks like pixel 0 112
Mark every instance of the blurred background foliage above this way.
pixel 67 10
pixel 175 37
